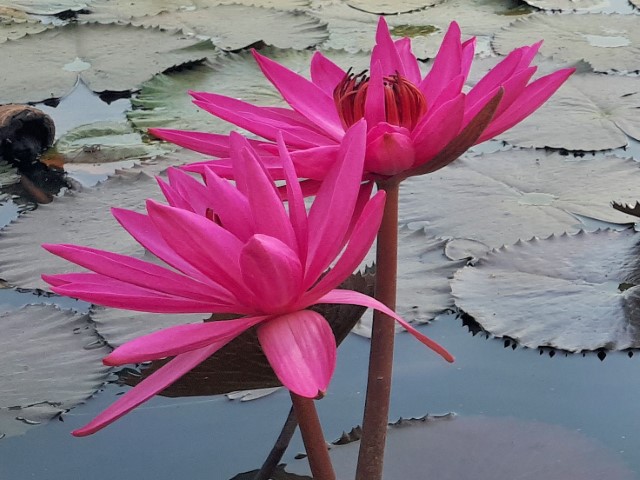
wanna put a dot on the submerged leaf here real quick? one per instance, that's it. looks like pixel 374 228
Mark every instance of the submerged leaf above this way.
pixel 606 42
pixel 483 448
pixel 50 360
pixel 572 292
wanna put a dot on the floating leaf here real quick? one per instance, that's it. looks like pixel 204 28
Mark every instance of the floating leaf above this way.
pixel 499 198
pixel 241 364
pixel 11 30
pixel 606 42
pixel 232 27
pixel 572 292
pixel 164 102
pixel 8 174
pixel 389 7
pixel 484 448
pixel 45 7
pixel 628 209
pixel 50 360
pixel 601 6
pixel 589 112
pixel 64 53
pixel 423 278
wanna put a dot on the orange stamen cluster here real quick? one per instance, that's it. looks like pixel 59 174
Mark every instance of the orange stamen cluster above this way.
pixel 404 103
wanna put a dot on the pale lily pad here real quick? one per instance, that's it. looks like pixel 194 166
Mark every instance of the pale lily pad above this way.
pixel 50 360
pixel 104 142
pixel 14 30
pixel 589 112
pixel 573 5
pixel 59 53
pixel 572 292
pixel 483 448
pixel 82 218
pixel 423 278
pixel 606 42
pixel 233 27
pixel 389 7
pixel 506 196
pixel 45 7
pixel 164 102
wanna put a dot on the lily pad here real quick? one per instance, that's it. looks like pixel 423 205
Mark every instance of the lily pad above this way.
pixel 572 292
pixel 606 42
pixel 589 112
pixel 45 7
pixel 102 142
pixel 9 175
pixel 389 7
pixel 424 272
pixel 50 360
pixel 233 27
pixel 164 102
pixel 483 448
pixel 573 5
pixel 11 30
pixel 92 52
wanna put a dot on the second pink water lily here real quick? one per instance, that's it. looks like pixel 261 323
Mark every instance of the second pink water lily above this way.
pixel 237 249
pixel 416 123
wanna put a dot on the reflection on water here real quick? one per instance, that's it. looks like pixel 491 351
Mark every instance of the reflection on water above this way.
pixel 212 437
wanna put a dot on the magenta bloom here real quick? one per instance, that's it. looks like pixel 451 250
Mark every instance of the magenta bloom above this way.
pixel 415 124
pixel 238 250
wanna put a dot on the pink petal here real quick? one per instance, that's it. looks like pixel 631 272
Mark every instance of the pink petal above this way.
pixel 140 273
pixel 466 59
pixel 331 212
pixel 409 61
pixel 446 65
pixel 272 272
pixel 374 106
pixel 448 93
pixel 364 233
pixel 193 192
pixel 356 298
pixel 385 52
pixel 180 339
pixel 531 99
pixel 301 349
pixel 101 290
pixel 146 389
pixel 267 211
pixel 304 96
pixel 207 143
pixel 389 150
pixel 314 163
pixel 495 78
pixel 325 74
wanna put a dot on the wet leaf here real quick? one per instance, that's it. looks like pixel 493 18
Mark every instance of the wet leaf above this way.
pixel 9 175
pixel 389 7
pixel 45 7
pixel 589 112
pixel 499 198
pixel 232 27
pixel 64 53
pixel 606 42
pixel 423 279
pixel 50 360
pixel 13 30
pixel 571 5
pixel 241 364
pixel 572 292
pixel 484 448
pixel 164 102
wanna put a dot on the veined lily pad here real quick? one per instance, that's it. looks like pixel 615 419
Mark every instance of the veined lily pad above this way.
pixel 94 53
pixel 453 448
pixel 589 112
pixel 572 292
pixel 13 30
pixel 506 196
pixel 573 5
pixel 164 102
pixel 606 42
pixel 46 7
pixel 389 7
pixel 232 27
pixel 50 360
pixel 423 278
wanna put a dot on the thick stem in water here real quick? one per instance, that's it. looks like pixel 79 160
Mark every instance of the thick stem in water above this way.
pixel 313 438
pixel 376 412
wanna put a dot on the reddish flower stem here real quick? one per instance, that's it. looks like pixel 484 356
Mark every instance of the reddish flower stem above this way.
pixel 376 411
pixel 313 438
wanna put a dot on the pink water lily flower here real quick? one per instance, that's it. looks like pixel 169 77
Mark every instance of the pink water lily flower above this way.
pixel 416 124
pixel 237 249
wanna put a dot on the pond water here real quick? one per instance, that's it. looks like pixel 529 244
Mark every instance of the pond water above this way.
pixel 197 438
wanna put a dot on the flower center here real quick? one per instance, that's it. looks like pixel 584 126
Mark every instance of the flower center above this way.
pixel 404 103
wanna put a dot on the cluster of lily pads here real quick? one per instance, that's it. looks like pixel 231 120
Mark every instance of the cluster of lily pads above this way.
pixel 508 233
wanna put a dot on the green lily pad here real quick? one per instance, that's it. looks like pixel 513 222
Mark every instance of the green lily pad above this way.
pixel 164 102
pixel 500 198
pixel 233 27
pixel 105 142
pixel 589 112
pixel 453 448
pixel 606 42
pixel 64 53
pixel 572 292
pixel 50 360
